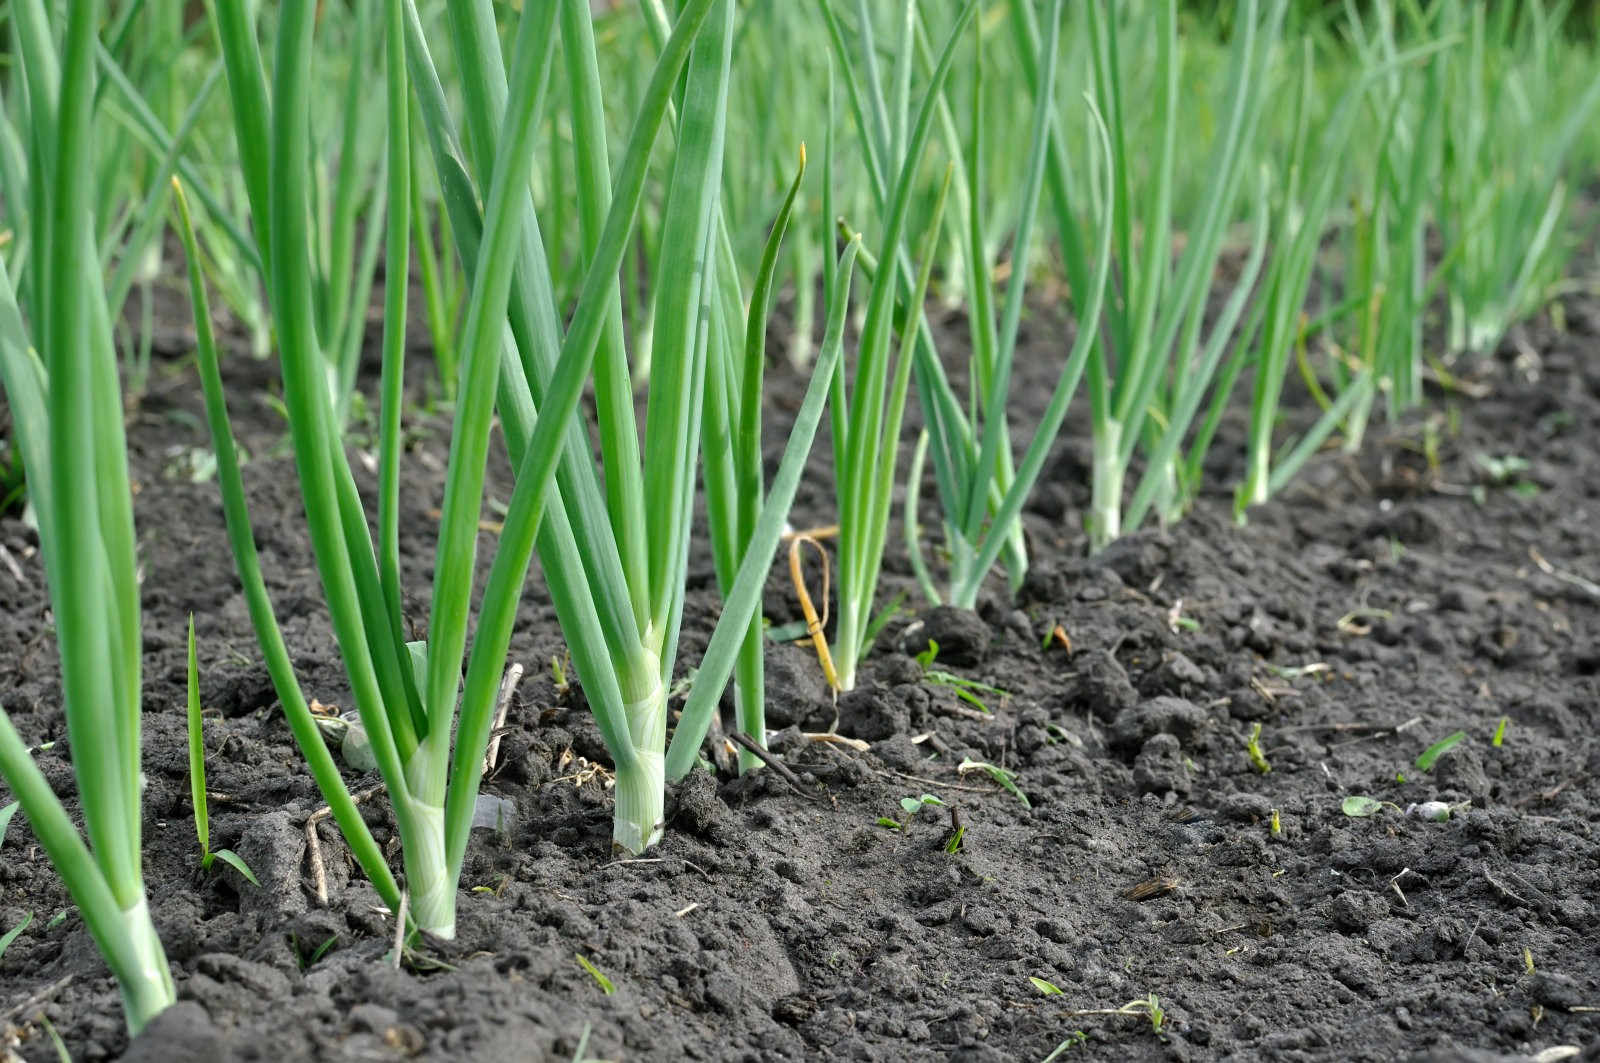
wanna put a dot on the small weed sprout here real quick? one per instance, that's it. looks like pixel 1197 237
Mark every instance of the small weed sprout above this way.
pixel 911 806
pixel 558 673
pixel 965 689
pixel 1148 1006
pixel 1007 780
pixel 1075 1039
pixel 11 935
pixel 197 776
pixel 957 836
pixel 1252 746
pixel 1152 1007
pixel 605 984
pixel 307 960
pixel 1431 755
pixel 1502 472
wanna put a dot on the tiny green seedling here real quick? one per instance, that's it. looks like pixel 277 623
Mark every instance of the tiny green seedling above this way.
pixel 953 846
pixel 787 632
pixel 1252 746
pixel 911 806
pixel 605 984
pixel 1431 755
pixel 875 627
pixel 558 673
pixel 1500 732
pixel 5 819
pixel 322 950
pixel 1501 471
pixel 1075 1039
pixel 965 689
pixel 1430 445
pixel 11 935
pixel 1049 989
pixel 1150 1006
pixel 307 960
pixel 1300 671
pixel 1504 471
pixel 1360 806
pixel 1007 780
pixel 62 1055
pixel 581 1053
pixel 197 777
pixel 1277 824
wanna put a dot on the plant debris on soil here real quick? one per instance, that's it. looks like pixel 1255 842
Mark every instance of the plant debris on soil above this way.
pixel 1144 847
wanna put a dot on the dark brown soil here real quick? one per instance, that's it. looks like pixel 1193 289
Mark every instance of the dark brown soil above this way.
pixel 1377 607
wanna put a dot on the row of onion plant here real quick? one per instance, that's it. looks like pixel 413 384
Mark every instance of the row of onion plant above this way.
pixel 614 557
pixel 58 362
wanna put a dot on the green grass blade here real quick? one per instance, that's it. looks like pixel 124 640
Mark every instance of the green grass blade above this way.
pixel 1199 376
pixel 197 749
pixel 335 290
pixel 247 87
pixel 11 935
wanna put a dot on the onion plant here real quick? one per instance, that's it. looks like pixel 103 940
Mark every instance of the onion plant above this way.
pixel 131 168
pixel 867 407
pixel 1516 104
pixel 1312 174
pixel 614 562
pixel 1385 256
pixel 1147 373
pixel 735 339
pixel 977 463
pixel 1315 173
pixel 340 274
pixel 66 404
pixel 734 485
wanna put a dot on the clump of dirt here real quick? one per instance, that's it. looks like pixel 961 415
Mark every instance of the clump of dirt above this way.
pixel 1110 873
